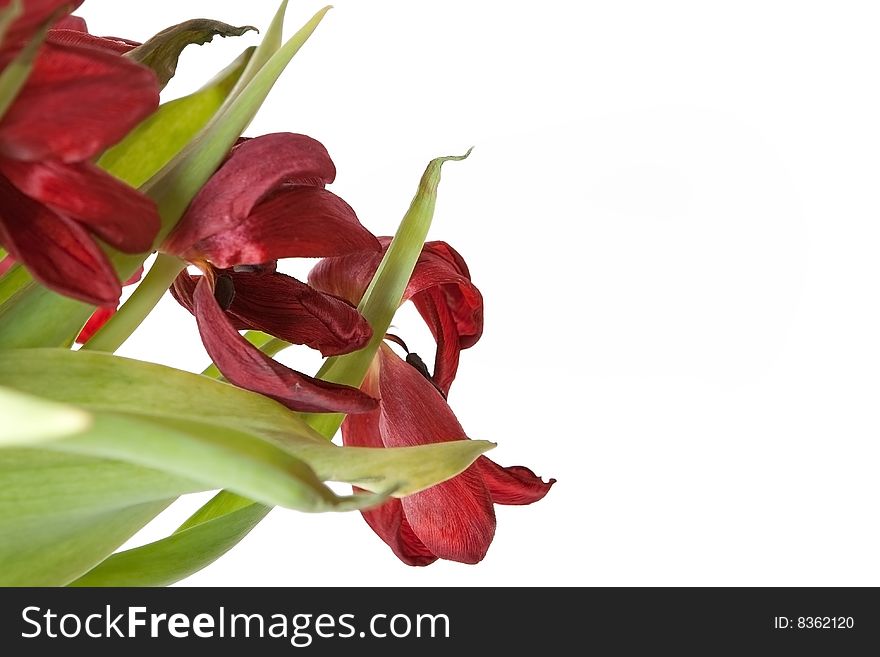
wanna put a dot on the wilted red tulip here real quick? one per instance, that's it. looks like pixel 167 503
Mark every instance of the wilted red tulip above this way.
pixel 456 519
pixel 268 202
pixel 54 201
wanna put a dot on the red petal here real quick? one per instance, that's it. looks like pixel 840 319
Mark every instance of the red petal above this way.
pixel 58 252
pixel 74 23
pixel 389 522
pixel 288 309
pixel 512 485
pixel 255 168
pixel 104 313
pixel 77 102
pixel 115 212
pixel 301 221
pixel 346 276
pixel 96 321
pixel 454 520
pixel 293 311
pixel 70 36
pixel 247 367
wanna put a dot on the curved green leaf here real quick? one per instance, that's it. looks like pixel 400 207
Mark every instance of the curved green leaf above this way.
pixel 62 514
pixel 177 556
pixel 161 136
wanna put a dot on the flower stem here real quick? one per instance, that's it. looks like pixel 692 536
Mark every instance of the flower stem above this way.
pixel 145 297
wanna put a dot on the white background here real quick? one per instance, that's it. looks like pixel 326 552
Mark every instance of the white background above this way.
pixel 672 213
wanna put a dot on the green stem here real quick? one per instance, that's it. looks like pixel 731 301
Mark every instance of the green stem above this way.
pixel 157 281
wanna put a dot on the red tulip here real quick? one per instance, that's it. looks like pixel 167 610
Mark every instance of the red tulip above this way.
pixel 455 519
pixel 54 202
pixel 266 202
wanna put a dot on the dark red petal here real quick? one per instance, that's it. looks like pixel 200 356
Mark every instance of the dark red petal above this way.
pixel 455 519
pixel 438 316
pixel 74 37
pixel 36 12
pixel 299 221
pixel 73 23
pixel 104 313
pixel 389 522
pixel 96 321
pixel 77 102
pixel 346 277
pixel 115 212
pixel 247 367
pixel 255 168
pixel 58 252
pixel 293 311
pixel 512 485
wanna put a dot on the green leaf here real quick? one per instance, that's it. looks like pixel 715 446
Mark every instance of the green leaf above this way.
pixel 179 555
pixel 100 382
pixel 62 514
pixel 153 143
pixel 28 420
pixel 202 420
pixel 162 51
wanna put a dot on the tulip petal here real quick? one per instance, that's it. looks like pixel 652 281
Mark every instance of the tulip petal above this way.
pixel 299 221
pixel 512 485
pixel 100 317
pixel 57 251
pixel 455 519
pixel 288 309
pixel 74 23
pixel 293 311
pixel 117 213
pixel 71 36
pixel 77 102
pixel 347 276
pixel 247 367
pixel 255 168
pixel 389 522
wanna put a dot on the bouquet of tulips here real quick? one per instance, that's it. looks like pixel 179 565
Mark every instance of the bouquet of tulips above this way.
pixel 102 187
